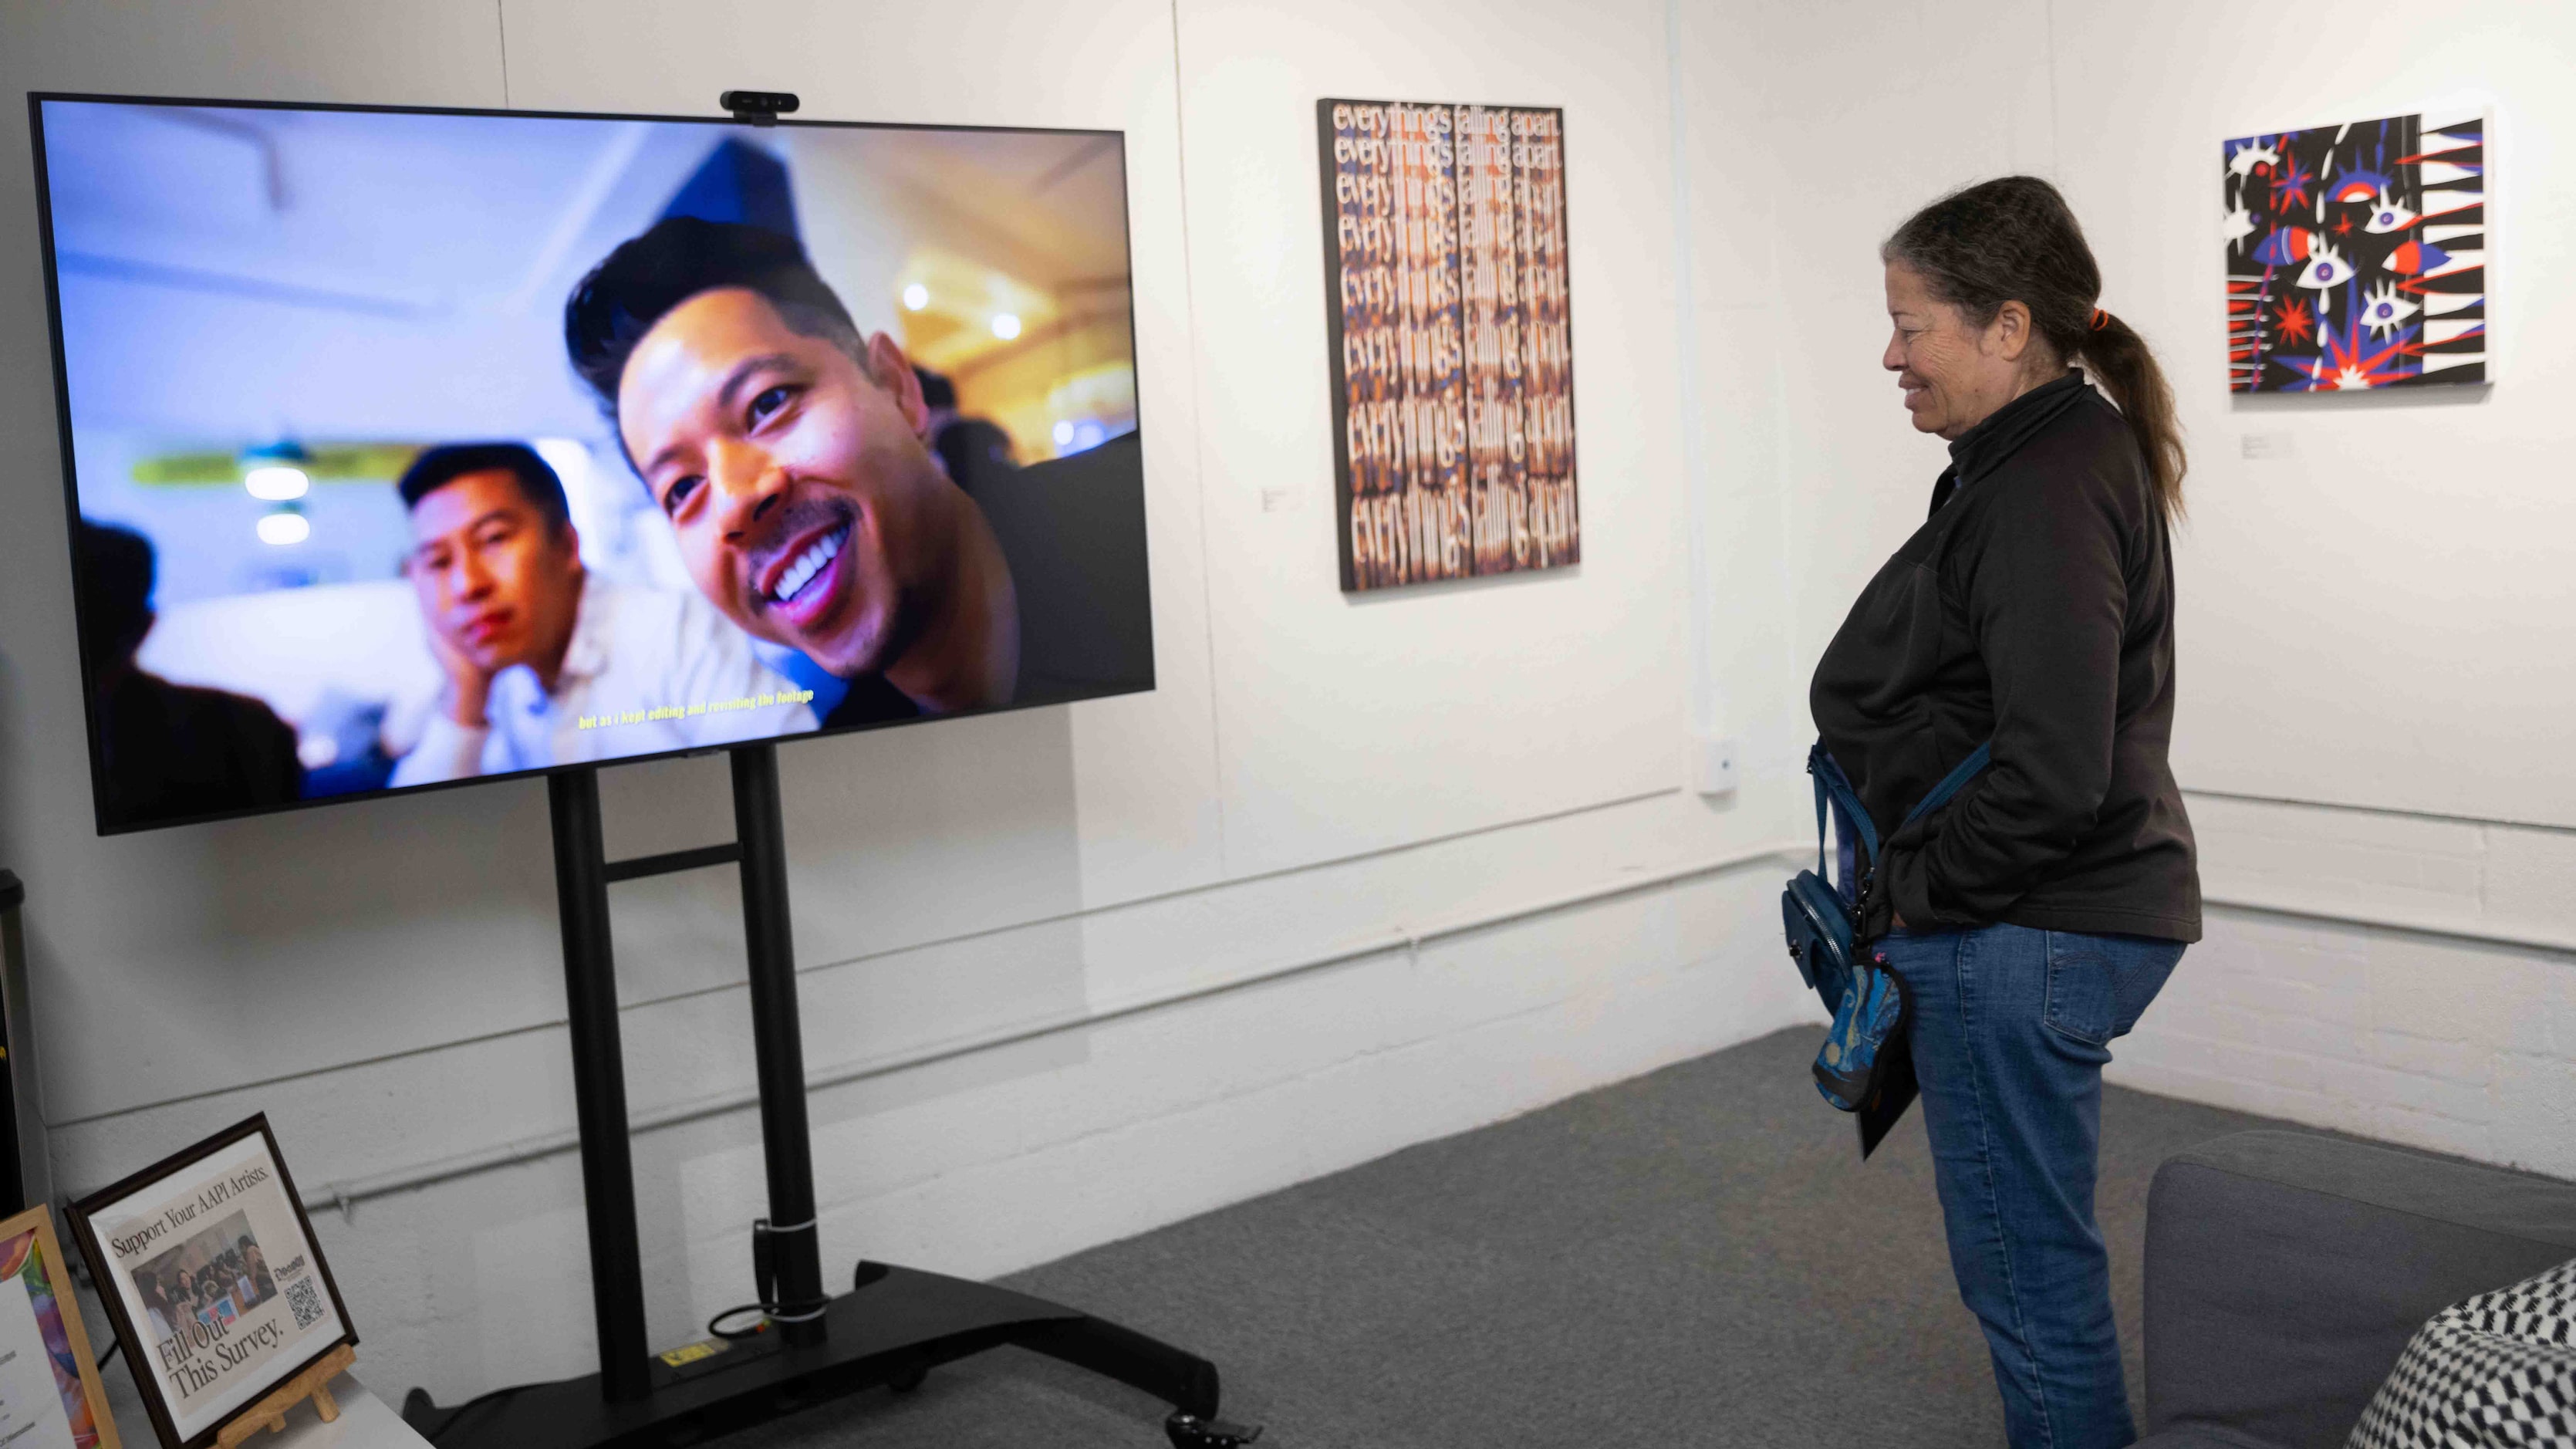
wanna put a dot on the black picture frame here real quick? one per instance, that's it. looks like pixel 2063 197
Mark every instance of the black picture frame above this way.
pixel 110 1279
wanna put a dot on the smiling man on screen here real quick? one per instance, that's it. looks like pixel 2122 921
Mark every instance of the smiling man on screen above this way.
pixel 546 663
pixel 789 453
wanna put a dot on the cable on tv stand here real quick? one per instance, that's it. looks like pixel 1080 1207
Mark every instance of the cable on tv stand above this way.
pixel 892 1327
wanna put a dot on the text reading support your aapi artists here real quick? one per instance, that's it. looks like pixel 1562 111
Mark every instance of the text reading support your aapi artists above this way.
pixel 215 1195
pixel 677 711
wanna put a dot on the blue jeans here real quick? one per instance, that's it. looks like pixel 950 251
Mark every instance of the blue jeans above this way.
pixel 2011 1028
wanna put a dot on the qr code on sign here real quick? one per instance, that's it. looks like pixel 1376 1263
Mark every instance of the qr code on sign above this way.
pixel 306 1300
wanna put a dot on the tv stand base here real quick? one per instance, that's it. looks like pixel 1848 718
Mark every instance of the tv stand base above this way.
pixel 893 1328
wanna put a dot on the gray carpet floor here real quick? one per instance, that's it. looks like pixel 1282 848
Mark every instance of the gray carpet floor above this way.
pixel 1694 1257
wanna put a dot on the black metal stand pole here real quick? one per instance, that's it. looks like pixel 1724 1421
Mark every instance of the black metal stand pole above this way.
pixel 778 1046
pixel 599 1085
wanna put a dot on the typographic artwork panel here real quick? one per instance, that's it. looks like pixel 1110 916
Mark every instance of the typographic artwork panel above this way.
pixel 2356 255
pixel 1453 368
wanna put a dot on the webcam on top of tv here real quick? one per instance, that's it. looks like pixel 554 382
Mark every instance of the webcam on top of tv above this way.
pixel 760 108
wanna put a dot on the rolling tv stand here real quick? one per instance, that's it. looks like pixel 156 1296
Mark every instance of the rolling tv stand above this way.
pixel 891 1328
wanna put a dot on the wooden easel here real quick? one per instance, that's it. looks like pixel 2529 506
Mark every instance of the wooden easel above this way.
pixel 270 1413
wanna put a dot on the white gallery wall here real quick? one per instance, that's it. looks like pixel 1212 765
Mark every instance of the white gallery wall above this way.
pixel 1358 873
pixel 2377 611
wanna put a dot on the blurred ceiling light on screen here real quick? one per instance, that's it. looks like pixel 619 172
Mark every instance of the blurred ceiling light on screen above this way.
pixel 283 528
pixel 964 300
pixel 1079 435
pixel 1091 406
pixel 915 297
pixel 276 483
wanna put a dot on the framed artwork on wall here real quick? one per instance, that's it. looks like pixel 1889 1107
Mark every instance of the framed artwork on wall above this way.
pixel 2356 255
pixel 50 1396
pixel 1451 340
pixel 209 1270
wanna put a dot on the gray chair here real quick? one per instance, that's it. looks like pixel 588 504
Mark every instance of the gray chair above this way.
pixel 2285 1272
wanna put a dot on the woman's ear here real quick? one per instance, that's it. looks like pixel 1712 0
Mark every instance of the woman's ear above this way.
pixel 2008 336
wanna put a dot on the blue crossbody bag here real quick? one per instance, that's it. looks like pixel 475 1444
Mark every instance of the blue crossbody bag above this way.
pixel 1863 1066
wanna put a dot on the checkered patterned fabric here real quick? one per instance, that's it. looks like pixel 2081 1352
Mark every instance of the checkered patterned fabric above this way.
pixel 2497 1370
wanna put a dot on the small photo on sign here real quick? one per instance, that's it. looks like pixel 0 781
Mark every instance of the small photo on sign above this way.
pixel 211 1280
pixel 209 1268
pixel 2356 255
pixel 1451 340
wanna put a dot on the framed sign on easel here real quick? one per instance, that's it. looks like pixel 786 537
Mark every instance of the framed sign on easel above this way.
pixel 221 1298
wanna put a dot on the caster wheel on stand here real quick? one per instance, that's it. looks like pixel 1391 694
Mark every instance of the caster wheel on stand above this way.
pixel 1189 1431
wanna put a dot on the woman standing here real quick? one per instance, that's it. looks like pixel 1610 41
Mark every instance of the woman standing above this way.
pixel 2034 917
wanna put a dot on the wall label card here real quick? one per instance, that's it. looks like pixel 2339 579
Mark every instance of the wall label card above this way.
pixel 2356 255
pixel 1451 340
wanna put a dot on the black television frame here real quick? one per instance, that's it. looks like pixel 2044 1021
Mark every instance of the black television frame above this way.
pixel 71 485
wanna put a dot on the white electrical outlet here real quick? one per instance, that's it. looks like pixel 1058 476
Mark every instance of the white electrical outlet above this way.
pixel 1712 765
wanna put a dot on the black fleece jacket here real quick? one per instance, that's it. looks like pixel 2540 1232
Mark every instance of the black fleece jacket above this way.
pixel 2035 608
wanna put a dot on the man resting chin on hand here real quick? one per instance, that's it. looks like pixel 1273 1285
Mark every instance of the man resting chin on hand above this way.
pixel 538 653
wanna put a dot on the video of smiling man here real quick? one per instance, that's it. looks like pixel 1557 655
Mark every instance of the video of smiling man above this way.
pixel 412 448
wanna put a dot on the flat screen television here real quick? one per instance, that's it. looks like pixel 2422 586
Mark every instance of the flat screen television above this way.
pixel 410 447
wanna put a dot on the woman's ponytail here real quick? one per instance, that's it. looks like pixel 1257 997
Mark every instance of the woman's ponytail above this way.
pixel 2014 239
pixel 2113 352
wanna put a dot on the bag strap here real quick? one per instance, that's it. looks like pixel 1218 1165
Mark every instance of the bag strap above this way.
pixel 1833 785
pixel 1951 783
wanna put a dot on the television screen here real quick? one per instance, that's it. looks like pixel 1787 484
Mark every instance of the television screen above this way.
pixel 411 447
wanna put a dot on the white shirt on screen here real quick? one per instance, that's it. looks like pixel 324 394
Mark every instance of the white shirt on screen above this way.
pixel 648 670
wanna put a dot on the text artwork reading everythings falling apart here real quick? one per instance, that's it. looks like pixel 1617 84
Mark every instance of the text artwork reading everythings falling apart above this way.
pixel 1452 353
pixel 2356 256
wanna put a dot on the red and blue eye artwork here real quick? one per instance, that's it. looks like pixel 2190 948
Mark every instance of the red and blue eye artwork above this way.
pixel 2356 256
